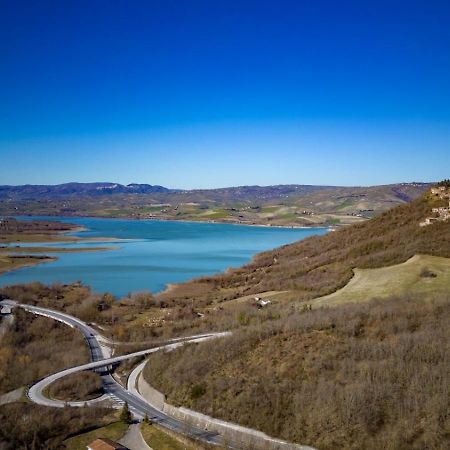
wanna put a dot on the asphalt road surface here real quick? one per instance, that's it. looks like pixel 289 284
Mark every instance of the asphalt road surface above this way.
pixel 111 387
pixel 100 349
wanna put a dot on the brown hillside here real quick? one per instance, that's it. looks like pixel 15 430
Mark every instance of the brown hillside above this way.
pixel 357 377
pixel 365 376
pixel 319 265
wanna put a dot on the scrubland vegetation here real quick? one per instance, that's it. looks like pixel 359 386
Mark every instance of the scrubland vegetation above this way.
pixel 77 386
pixel 320 265
pixel 74 298
pixel 307 270
pixel 311 268
pixel 35 347
pixel 102 310
pixel 367 376
pixel 25 426
pixel 32 348
pixel 362 376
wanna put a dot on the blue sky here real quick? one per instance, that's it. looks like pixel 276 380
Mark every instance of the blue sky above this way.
pixel 190 93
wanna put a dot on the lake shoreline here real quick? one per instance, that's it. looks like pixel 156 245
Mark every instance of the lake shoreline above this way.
pixel 153 254
pixel 8 250
pixel 161 219
pixel 38 261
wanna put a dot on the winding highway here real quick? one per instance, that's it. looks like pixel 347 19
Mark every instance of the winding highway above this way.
pixel 100 355
pixel 100 350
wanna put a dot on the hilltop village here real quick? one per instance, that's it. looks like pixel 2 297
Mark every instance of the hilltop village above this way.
pixel 441 213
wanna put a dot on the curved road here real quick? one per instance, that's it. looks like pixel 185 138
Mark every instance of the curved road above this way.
pixel 138 406
pixel 101 358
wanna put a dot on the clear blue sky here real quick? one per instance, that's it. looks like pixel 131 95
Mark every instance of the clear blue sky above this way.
pixel 191 93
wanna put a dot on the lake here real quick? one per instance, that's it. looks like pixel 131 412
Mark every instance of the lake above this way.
pixel 152 254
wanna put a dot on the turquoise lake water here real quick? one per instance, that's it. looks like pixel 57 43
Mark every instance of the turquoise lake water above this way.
pixel 155 253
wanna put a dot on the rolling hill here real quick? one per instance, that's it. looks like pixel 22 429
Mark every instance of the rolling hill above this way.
pixel 365 374
pixel 318 266
pixel 281 205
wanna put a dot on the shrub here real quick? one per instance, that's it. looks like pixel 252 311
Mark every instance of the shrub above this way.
pixel 197 391
pixel 427 273
pixel 125 414
pixel 360 377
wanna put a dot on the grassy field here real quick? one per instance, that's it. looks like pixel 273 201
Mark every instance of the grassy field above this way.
pixel 158 440
pixel 113 431
pixel 420 275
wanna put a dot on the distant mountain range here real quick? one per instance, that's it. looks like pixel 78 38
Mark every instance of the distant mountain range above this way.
pixel 292 204
pixel 239 193
pixel 32 191
pixel 243 193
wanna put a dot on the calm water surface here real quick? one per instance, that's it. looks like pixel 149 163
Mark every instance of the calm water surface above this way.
pixel 155 253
